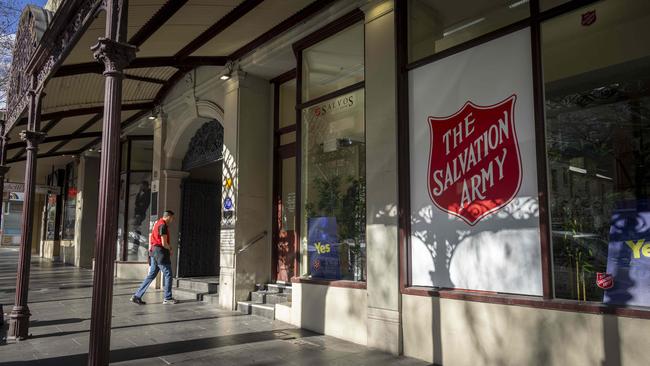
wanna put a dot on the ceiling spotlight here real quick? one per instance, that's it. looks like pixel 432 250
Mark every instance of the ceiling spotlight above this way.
pixel 227 71
pixel 154 113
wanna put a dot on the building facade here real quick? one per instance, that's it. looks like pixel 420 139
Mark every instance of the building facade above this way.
pixel 461 182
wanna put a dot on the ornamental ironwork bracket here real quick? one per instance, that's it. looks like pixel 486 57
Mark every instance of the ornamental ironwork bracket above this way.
pixel 33 138
pixel 114 55
pixel 43 41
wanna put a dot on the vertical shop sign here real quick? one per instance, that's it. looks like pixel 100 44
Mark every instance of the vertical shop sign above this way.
pixel 473 165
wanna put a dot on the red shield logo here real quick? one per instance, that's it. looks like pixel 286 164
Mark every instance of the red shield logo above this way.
pixel 474 166
pixel 604 280
pixel 588 18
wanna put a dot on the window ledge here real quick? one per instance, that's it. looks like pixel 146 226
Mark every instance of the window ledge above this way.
pixel 529 301
pixel 331 283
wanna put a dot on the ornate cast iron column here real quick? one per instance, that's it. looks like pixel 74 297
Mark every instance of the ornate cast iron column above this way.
pixel 19 317
pixel 115 55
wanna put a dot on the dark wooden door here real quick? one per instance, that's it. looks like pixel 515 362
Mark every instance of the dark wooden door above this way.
pixel 199 232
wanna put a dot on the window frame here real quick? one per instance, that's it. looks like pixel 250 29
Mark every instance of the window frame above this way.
pixel 547 300
pixel 280 152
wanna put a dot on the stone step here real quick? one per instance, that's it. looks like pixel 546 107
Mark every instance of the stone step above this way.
pixel 263 310
pixel 212 299
pixel 244 307
pixel 265 297
pixel 278 288
pixel 210 286
pixel 185 294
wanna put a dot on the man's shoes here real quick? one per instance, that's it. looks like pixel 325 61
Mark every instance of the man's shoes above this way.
pixel 170 301
pixel 137 300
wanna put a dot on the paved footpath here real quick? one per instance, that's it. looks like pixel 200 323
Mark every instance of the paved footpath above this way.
pixel 188 333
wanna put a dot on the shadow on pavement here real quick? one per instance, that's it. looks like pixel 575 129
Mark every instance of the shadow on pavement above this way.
pixel 172 348
pixel 65 333
pixel 45 323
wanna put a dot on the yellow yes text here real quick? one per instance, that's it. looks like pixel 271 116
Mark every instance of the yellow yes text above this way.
pixel 322 248
pixel 639 248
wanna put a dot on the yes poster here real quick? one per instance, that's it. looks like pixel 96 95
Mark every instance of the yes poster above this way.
pixel 324 261
pixel 628 257
pixel 473 165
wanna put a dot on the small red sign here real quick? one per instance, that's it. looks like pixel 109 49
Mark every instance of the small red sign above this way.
pixel 474 165
pixel 604 280
pixel 589 18
pixel 72 192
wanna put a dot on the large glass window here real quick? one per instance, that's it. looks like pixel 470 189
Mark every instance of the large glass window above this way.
pixel 54 205
pixel 333 64
pixel 597 82
pixel 550 4
pixel 69 202
pixel 435 25
pixel 50 214
pixel 139 200
pixel 135 200
pixel 333 199
pixel 333 186
pixel 287 107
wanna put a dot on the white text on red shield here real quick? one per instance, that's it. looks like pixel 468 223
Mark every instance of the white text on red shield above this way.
pixel 474 187
pixel 474 165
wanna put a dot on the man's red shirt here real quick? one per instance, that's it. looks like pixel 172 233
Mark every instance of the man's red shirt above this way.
pixel 159 230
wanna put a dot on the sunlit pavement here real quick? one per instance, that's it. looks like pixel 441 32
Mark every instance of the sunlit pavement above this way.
pixel 188 333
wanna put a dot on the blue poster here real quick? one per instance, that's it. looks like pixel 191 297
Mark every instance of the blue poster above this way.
pixel 322 240
pixel 628 257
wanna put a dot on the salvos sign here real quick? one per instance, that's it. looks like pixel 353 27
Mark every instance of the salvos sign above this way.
pixel 474 166
pixel 473 170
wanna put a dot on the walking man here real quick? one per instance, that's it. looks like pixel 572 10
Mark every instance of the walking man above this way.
pixel 159 260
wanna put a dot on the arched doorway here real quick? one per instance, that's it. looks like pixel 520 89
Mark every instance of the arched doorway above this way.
pixel 201 203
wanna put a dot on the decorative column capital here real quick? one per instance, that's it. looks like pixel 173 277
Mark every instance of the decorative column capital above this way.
pixel 114 55
pixel 33 138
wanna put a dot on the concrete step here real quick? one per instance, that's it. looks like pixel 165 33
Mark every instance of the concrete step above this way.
pixel 185 294
pixel 265 297
pixel 244 307
pixel 278 288
pixel 208 285
pixel 263 310
pixel 212 299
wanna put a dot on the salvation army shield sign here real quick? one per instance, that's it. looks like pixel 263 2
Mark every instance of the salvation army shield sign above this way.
pixel 474 165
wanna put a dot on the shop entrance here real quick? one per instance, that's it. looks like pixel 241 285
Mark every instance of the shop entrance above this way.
pixel 201 204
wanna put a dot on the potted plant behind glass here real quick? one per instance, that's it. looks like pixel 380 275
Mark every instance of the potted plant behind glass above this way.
pixel 352 223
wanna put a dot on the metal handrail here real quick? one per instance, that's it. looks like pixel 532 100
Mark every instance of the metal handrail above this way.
pixel 257 238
